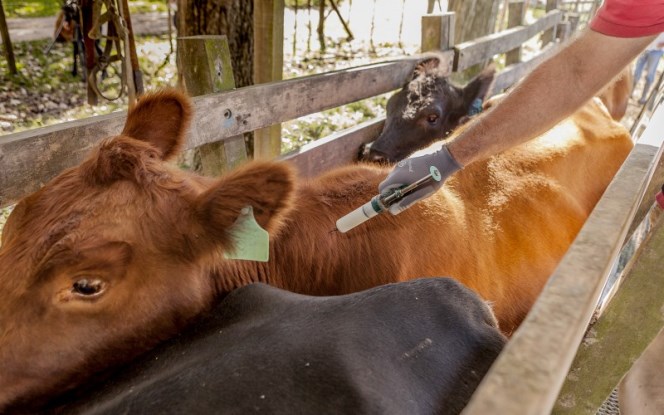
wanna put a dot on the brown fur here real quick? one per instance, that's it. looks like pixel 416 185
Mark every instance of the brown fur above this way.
pixel 152 237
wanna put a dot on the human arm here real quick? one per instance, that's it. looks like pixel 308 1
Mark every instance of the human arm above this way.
pixel 551 92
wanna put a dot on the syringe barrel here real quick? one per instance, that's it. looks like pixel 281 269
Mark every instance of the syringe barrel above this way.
pixel 380 203
pixel 358 216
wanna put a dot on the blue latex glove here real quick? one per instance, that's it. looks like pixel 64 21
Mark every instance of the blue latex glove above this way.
pixel 410 170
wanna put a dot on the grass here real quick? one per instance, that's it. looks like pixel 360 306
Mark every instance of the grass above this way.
pixel 46 80
pixel 31 8
pixel 43 8
pixel 303 130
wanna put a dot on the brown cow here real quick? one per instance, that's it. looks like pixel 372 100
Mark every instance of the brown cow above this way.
pixel 123 250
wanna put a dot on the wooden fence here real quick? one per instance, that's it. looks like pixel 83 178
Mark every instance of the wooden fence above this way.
pixel 584 9
pixel 528 375
pixel 31 158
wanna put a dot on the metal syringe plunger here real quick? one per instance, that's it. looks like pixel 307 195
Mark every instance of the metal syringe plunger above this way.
pixel 382 202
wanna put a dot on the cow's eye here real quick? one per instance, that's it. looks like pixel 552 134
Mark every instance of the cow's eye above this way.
pixel 432 118
pixel 88 287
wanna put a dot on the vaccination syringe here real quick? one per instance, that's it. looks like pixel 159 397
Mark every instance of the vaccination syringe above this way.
pixel 381 203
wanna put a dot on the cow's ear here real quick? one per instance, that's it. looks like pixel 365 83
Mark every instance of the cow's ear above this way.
pixel 265 186
pixel 160 118
pixel 477 90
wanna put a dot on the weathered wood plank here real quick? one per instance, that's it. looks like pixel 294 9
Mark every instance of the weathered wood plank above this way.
pixel 615 341
pixel 527 376
pixel 268 66
pixel 563 31
pixel 263 105
pixel 206 68
pixel 513 73
pixel 437 32
pixel 478 50
pixel 516 11
pixel 30 158
pixel 334 150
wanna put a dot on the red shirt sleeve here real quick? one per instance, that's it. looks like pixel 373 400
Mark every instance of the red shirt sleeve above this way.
pixel 629 18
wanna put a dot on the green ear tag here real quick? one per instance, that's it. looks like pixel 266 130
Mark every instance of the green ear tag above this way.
pixel 252 243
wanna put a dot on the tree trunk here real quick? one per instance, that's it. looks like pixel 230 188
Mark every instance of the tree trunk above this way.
pixel 6 42
pixel 233 18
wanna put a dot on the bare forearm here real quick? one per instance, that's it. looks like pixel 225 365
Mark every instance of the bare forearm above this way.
pixel 548 94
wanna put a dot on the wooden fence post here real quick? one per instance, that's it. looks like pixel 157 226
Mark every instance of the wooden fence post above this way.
pixel 563 31
pixel 550 34
pixel 515 14
pixel 437 31
pixel 268 66
pixel 206 68
pixel 6 42
pixel 573 19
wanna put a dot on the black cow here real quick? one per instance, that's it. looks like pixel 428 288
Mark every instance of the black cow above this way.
pixel 426 109
pixel 418 347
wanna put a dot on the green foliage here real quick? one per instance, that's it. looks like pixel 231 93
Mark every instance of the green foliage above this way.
pixel 296 133
pixel 44 92
pixel 146 6
pixel 302 3
pixel 39 76
pixel 43 8
pixel 31 8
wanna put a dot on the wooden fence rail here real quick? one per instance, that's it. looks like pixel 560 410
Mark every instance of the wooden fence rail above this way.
pixel 527 376
pixel 31 158
pixel 476 51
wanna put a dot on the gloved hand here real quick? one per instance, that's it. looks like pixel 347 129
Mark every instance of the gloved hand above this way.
pixel 410 170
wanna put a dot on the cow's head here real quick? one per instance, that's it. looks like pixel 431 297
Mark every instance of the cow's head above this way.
pixel 116 254
pixel 425 110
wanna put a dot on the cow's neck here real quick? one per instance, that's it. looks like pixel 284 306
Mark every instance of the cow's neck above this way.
pixel 235 274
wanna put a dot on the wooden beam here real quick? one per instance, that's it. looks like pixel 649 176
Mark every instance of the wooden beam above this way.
pixel 205 65
pixel 615 341
pixel 573 19
pixel 437 32
pixel 268 66
pixel 515 15
pixel 528 374
pixel 549 35
pixel 563 31
pixel 29 159
pixel 334 150
pixel 478 50
pixel 513 73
